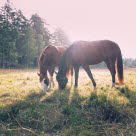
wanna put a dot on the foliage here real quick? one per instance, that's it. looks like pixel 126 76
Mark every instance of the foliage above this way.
pixel 12 26
pixel 25 110
pixel 59 37
pixel 129 62
pixel 21 39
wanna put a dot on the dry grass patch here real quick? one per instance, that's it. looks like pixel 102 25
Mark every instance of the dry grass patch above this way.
pixel 26 110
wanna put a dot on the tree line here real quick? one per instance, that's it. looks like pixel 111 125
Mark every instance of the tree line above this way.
pixel 127 62
pixel 22 40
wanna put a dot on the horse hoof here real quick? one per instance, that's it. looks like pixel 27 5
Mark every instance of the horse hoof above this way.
pixel 95 88
pixel 113 85
pixel 44 91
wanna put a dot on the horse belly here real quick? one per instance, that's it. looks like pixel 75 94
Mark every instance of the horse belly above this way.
pixel 94 60
pixel 84 59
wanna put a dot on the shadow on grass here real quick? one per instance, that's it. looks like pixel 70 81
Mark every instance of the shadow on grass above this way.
pixel 109 110
pixel 128 93
pixel 41 116
pixel 5 113
pixel 62 112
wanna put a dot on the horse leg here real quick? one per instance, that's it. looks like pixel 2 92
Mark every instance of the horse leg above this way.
pixel 89 73
pixel 76 68
pixel 51 72
pixel 52 81
pixel 71 76
pixel 111 66
pixel 50 78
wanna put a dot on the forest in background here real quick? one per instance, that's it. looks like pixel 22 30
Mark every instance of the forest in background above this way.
pixel 22 39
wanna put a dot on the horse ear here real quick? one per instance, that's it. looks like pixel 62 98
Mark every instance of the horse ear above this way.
pixel 38 74
pixel 56 72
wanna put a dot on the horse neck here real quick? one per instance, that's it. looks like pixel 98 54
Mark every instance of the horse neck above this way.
pixel 64 65
pixel 63 71
pixel 43 71
pixel 42 68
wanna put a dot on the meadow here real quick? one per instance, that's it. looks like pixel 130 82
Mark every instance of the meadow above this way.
pixel 26 111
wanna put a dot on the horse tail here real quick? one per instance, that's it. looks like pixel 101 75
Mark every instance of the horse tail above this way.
pixel 119 68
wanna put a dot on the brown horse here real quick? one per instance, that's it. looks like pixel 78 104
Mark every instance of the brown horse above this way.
pixel 48 60
pixel 85 53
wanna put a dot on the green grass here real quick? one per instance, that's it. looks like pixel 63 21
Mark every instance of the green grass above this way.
pixel 26 111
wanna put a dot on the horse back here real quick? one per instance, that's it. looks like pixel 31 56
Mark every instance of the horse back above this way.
pixel 51 55
pixel 84 52
pixel 61 50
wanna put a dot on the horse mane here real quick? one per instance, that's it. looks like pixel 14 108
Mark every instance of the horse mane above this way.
pixel 64 65
pixel 40 66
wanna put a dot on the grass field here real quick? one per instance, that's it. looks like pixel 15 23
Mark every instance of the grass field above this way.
pixel 26 111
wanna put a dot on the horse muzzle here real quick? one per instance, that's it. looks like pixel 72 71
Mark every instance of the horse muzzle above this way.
pixel 44 86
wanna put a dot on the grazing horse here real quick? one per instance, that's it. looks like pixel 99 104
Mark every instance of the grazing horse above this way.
pixel 48 60
pixel 85 53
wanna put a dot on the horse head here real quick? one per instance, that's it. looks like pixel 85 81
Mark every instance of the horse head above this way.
pixel 44 81
pixel 62 81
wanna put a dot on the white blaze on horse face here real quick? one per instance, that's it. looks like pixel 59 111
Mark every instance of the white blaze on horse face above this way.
pixel 44 86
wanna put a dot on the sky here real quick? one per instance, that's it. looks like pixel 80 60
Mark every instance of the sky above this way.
pixel 88 19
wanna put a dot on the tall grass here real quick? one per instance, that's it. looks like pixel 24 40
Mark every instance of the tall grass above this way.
pixel 26 110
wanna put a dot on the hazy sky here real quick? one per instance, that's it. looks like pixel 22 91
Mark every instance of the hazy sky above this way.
pixel 88 19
